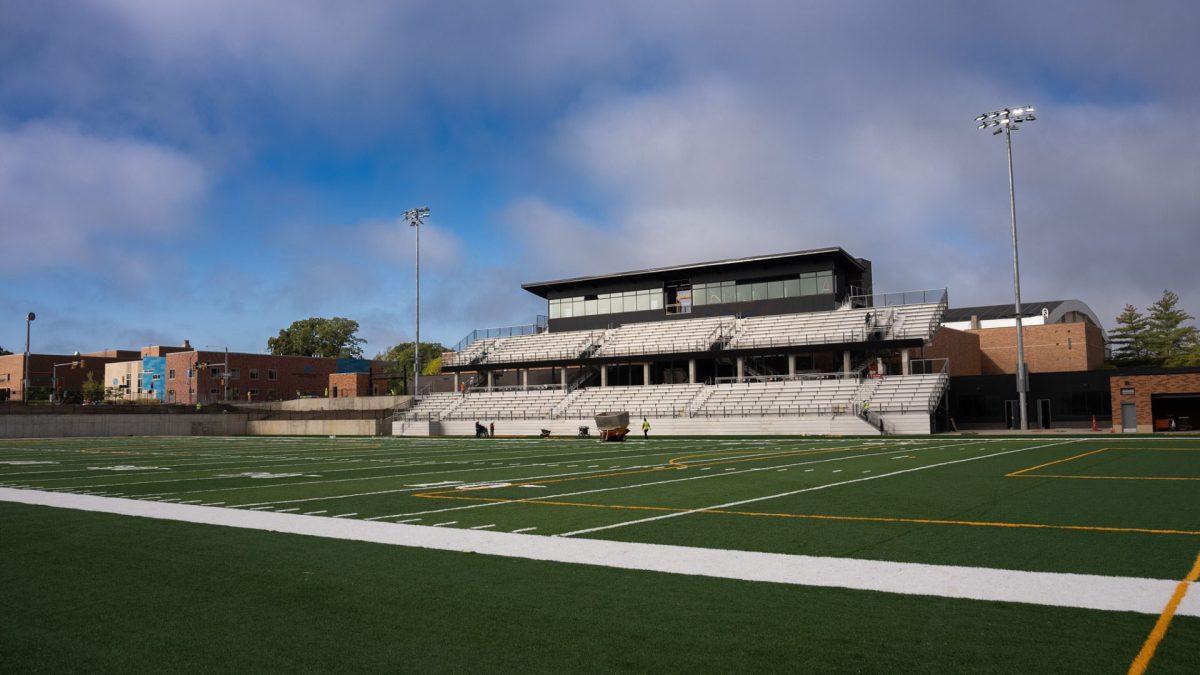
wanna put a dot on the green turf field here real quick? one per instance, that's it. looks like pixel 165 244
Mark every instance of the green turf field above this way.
pixel 112 592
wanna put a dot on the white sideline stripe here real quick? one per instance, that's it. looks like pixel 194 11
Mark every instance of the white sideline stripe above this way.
pixel 1056 589
pixel 808 489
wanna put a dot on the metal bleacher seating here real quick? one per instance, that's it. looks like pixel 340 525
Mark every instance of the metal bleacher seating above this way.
pixel 663 337
pixel 663 400
pixel 542 346
pixel 431 406
pixel 509 404
pixel 908 393
pixel 788 397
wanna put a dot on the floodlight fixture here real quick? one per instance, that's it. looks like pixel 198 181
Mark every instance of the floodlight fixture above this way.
pixel 416 217
pixel 1009 120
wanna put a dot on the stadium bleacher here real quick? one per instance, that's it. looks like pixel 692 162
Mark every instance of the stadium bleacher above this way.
pixel 662 400
pixel 508 404
pixel 541 346
pixel 793 397
pixel 663 337
pixel 908 393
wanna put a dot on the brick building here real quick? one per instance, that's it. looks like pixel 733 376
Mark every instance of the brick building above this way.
pixel 1147 399
pixel 41 372
pixel 257 377
pixel 1061 336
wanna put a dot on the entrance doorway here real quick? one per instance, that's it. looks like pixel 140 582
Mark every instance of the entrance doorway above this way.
pixel 1128 418
pixel 1043 408
pixel 1012 414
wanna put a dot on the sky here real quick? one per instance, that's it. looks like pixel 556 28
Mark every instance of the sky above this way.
pixel 215 170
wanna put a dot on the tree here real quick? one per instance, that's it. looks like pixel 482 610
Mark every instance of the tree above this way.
pixel 1170 341
pixel 402 356
pixel 4 352
pixel 92 389
pixel 1128 339
pixel 316 336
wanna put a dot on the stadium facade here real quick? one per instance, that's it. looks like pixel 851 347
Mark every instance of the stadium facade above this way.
pixel 784 343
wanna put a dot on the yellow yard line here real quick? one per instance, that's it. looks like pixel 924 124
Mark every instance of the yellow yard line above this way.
pixel 1142 660
pixel 1057 461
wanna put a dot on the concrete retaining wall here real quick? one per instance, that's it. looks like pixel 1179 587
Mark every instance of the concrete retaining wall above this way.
pixel 59 426
pixel 318 427
pixel 348 403
pixel 839 425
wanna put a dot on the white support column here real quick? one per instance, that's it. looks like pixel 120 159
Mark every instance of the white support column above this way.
pixel 904 368
pixel 562 374
pixel 879 365
pixel 603 376
pixel 741 368
pixel 524 378
pixel 791 365
pixel 645 373
pixel 846 361
pixel 456 382
pixel 491 380
pixel 691 371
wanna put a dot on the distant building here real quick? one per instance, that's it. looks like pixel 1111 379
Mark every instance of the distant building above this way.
pixel 42 371
pixel 197 376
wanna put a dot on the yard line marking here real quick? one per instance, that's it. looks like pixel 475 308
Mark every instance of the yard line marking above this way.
pixel 837 470
pixel 1057 461
pixel 313 513
pixel 213 504
pixel 1142 660
pixel 346 515
pixel 288 510
pixel 498 502
pixel 524 529
pixel 190 501
pixel 259 508
pixel 448 522
pixel 808 489
pixel 1055 589
pixel 483 527
pixel 410 520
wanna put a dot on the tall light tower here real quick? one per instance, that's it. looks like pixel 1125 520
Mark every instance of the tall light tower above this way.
pixel 25 390
pixel 1006 121
pixel 415 218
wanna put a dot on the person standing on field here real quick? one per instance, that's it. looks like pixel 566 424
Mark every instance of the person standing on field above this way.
pixel 492 430
pixel 645 428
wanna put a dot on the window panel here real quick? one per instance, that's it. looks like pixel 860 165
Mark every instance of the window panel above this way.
pixel 715 297
pixel 743 293
pixel 603 304
pixel 791 288
pixel 589 307
pixel 578 306
pixel 774 289
pixel 758 291
pixel 643 302
pixel 567 310
pixel 825 284
pixel 656 300
pixel 808 286
pixel 554 311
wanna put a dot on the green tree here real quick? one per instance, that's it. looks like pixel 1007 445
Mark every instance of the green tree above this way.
pixel 1128 339
pixel 316 336
pixel 1169 338
pixel 4 352
pixel 92 389
pixel 402 357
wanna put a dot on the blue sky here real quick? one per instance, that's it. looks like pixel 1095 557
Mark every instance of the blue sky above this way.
pixel 213 171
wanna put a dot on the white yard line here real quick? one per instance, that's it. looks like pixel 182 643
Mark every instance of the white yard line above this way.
pixel 808 489
pixel 523 529
pixel 1086 591
pixel 483 527
pixel 664 482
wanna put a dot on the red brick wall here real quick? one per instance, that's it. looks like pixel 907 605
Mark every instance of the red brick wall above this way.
pixel 347 385
pixel 12 372
pixel 308 376
pixel 1053 348
pixel 1145 386
pixel 961 347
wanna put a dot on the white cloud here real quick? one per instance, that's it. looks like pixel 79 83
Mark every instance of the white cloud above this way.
pixel 69 197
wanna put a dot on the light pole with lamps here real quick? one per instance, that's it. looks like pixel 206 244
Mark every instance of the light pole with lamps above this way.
pixel 415 218
pixel 29 318
pixel 1007 121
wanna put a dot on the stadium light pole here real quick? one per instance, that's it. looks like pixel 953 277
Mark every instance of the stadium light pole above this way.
pixel 415 218
pixel 29 318
pixel 1006 121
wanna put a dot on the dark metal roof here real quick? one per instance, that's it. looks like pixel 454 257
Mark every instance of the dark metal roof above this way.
pixel 985 312
pixel 541 288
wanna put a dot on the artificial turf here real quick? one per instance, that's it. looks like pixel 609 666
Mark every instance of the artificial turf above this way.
pixel 98 592
pixel 107 591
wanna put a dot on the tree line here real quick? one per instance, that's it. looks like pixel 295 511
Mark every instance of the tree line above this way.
pixel 1160 337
